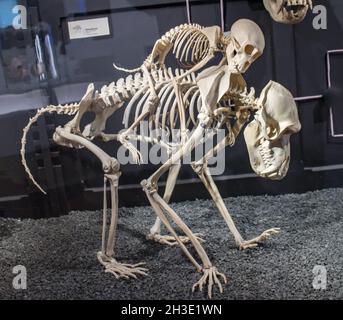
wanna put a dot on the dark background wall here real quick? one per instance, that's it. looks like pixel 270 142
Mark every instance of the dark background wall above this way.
pixel 295 56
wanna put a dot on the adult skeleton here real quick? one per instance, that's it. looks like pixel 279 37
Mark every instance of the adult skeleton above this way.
pixel 182 98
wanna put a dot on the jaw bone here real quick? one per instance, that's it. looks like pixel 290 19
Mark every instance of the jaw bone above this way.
pixel 288 11
pixel 275 158
pixel 269 159
pixel 268 136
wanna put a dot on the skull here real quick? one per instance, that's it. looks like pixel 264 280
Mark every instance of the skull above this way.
pixel 245 46
pixel 287 11
pixel 268 136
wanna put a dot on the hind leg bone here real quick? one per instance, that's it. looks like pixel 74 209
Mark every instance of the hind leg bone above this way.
pixel 111 170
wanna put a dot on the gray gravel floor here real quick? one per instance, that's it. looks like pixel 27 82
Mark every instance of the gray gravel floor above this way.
pixel 60 253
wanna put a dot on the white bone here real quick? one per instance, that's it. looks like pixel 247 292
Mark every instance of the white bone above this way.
pixel 267 137
pixel 176 94
pixel 279 13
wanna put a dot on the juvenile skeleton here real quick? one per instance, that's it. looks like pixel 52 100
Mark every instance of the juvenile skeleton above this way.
pixel 189 101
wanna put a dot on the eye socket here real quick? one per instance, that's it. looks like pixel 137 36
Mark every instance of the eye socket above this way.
pixel 236 45
pixel 249 49
pixel 272 131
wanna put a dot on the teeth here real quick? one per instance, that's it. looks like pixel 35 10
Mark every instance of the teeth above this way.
pixel 271 172
pixel 266 154
pixel 280 9
pixel 251 93
pixel 294 14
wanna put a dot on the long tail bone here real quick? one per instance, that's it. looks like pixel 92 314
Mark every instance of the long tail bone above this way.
pixel 69 109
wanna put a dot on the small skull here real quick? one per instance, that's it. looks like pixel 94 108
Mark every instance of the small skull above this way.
pixel 268 136
pixel 245 46
pixel 287 11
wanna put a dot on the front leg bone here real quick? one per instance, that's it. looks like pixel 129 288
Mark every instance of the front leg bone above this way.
pixel 155 231
pixel 162 209
pixel 200 167
pixel 206 178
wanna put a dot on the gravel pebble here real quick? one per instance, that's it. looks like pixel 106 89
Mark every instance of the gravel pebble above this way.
pixel 60 253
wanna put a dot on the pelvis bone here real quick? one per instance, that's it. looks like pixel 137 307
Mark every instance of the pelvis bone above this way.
pixel 288 11
pixel 268 136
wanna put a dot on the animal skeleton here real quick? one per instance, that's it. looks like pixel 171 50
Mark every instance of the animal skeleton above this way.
pixel 288 11
pixel 187 100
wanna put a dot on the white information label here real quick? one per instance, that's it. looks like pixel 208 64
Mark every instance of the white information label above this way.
pixel 88 28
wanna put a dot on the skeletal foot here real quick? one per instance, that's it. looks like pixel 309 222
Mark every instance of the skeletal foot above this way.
pixel 210 276
pixel 170 240
pixel 121 270
pixel 253 243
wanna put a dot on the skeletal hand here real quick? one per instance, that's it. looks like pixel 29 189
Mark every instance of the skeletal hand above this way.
pixel 268 233
pixel 253 243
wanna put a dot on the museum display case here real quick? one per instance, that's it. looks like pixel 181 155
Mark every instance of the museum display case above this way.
pixel 49 63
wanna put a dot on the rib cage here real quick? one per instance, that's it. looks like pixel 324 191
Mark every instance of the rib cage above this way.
pixel 188 42
pixel 190 46
pixel 135 90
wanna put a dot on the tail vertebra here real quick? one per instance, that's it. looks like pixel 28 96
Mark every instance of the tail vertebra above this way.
pixel 69 109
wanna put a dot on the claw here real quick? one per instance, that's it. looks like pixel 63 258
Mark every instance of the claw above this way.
pixel 244 246
pixel 266 234
pixel 210 276
pixel 253 243
pixel 121 270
